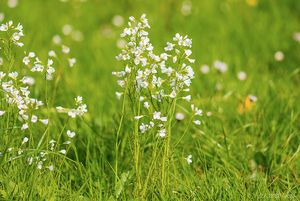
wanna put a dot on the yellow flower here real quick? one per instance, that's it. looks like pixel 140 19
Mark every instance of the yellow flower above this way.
pixel 248 104
pixel 252 3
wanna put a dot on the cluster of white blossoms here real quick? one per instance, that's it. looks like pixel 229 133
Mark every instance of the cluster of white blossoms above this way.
pixel 35 65
pixel 17 95
pixel 67 31
pixel 154 79
pixel 16 32
pixel 24 111
pixel 80 109
pixel 220 66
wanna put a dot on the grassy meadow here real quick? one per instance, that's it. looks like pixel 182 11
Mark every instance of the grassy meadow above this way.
pixel 247 146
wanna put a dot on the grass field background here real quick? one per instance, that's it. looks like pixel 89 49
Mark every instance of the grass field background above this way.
pixel 253 155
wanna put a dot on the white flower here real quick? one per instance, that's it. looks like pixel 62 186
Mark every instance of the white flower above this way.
pixel 72 62
pixel 2 113
pixel 156 115
pixel 40 165
pixel 186 7
pixel 187 98
pixel 56 39
pixel 118 95
pixel 279 56
pixel 44 121
pixel 63 151
pixel 28 80
pixel 163 118
pixel 65 49
pixel 162 133
pixel 205 69
pixel 12 3
pixel 67 29
pixel 71 134
pixel 189 159
pixel 118 20
pixel 25 139
pixel 220 66
pixel 13 75
pixel 179 116
pixel 138 117
pixel 146 105
pixel 296 36
pixel 51 167
pixel 51 53
pixel 24 126
pixel 197 122
pixel 242 75
pixel 34 119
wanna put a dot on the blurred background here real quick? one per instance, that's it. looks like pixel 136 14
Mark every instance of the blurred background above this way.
pixel 251 97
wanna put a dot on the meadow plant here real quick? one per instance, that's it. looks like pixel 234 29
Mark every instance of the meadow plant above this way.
pixel 153 86
pixel 30 133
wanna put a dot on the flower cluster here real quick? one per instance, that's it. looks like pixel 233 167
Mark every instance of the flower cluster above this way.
pixel 153 79
pixel 16 93
pixel 80 109
pixel 35 65
pixel 16 32
pixel 26 111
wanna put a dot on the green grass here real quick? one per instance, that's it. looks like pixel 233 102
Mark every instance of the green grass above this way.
pixel 250 156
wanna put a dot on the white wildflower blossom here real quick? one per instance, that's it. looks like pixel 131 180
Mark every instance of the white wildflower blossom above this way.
pixel 242 75
pixel 71 134
pixel 279 56
pixel 220 66
pixel 189 159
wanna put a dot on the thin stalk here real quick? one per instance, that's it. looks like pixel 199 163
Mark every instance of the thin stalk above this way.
pixel 117 137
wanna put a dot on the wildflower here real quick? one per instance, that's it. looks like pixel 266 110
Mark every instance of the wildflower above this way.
pixel 208 114
pixel 162 133
pixel 80 109
pixel 28 80
pixel 51 167
pixel 279 56
pixel 2 112
pixel 40 165
pixel 56 39
pixel 205 69
pixel 179 116
pixel 67 29
pixel 296 36
pixel 138 117
pixel 189 159
pixel 197 122
pixel 242 75
pixel 156 115
pixel 186 7
pixel 118 95
pixel 146 105
pixel 34 119
pixel 72 62
pixel 118 20
pixel 71 134
pixel 187 98
pixel 24 126
pixel 220 66
pixel 63 151
pixel 25 139
pixel 65 49
pixel 12 3
pixel 51 53
pixel 248 104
